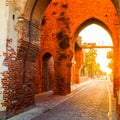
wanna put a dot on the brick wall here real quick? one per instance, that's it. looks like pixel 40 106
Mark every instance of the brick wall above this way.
pixel 60 26
pixel 18 83
pixel 18 80
pixel 78 65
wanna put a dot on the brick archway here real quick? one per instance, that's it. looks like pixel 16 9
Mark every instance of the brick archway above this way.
pixel 69 18
pixel 78 55
pixel 116 53
pixel 90 21
pixel 57 32
pixel 29 29
pixel 21 63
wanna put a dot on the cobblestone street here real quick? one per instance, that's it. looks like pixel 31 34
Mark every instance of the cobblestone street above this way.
pixel 91 100
pixel 88 102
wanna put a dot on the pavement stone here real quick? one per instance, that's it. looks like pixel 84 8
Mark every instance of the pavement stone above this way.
pixel 47 103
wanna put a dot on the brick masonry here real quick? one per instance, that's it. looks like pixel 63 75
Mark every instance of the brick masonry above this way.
pixel 18 81
pixel 56 35
pixel 60 34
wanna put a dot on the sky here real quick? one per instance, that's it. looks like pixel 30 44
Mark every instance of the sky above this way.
pixel 95 33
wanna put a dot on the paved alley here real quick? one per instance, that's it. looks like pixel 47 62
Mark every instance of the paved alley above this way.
pixel 91 100
pixel 88 102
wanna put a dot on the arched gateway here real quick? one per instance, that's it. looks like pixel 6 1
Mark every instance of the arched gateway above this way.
pixel 62 22
pixel 49 28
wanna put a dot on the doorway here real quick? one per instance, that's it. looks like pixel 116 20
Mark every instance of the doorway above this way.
pixel 47 72
pixel 97 46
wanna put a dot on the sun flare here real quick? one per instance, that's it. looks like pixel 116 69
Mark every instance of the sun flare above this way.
pixel 96 34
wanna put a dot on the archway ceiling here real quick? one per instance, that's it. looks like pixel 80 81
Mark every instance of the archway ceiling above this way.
pixel 28 8
pixel 34 9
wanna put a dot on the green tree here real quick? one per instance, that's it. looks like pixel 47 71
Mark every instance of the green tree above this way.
pixel 92 67
pixel 110 56
pixel 90 61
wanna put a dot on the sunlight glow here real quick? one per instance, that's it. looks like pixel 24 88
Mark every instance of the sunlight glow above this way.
pixel 96 34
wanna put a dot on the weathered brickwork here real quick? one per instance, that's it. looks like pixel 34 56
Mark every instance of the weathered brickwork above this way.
pixel 28 41
pixel 50 39
pixel 78 63
pixel 69 20
pixel 17 83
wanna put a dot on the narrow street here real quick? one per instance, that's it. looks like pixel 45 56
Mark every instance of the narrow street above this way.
pixel 90 101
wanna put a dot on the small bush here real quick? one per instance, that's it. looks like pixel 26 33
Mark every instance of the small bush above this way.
pixel 63 39
pixel 64 44
pixel 61 35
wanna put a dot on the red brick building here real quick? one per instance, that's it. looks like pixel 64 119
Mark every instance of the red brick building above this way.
pixel 38 48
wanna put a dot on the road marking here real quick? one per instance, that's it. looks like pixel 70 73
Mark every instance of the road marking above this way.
pixel 110 102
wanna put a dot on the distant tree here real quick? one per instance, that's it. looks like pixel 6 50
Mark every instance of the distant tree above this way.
pixel 91 66
pixel 90 61
pixel 110 56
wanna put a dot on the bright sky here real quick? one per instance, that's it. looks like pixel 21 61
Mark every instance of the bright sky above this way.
pixel 96 34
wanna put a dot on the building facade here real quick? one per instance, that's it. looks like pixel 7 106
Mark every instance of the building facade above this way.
pixel 37 47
